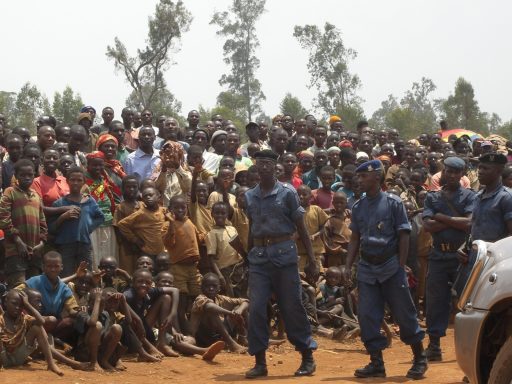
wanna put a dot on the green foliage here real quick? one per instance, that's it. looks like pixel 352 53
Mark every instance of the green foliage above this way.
pixel 350 115
pixel 66 106
pixel 30 103
pixel 164 102
pixel 461 110
pixel 238 27
pixel 145 71
pixel 505 130
pixel 7 100
pixel 328 66
pixel 291 105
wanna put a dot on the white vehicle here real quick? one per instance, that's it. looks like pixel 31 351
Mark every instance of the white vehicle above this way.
pixel 483 328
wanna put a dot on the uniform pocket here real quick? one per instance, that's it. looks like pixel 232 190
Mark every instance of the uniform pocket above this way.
pixel 283 253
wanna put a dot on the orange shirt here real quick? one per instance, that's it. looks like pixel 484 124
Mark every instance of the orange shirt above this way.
pixel 50 189
pixel 182 240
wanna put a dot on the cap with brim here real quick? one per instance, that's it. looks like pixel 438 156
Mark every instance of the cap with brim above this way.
pixel 455 163
pixel 266 154
pixel 370 166
pixel 493 158
pixel 87 108
pixel 216 134
pixel 84 115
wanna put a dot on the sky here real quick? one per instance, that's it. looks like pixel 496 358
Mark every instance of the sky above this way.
pixel 61 42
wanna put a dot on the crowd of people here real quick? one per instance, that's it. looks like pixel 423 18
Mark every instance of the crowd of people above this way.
pixel 140 236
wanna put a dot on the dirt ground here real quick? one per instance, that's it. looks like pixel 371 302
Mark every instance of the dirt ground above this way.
pixel 336 362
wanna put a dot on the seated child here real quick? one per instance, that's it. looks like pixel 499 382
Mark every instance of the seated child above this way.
pixel 182 241
pixel 112 276
pixel 99 335
pixel 314 218
pixel 57 297
pixel 336 233
pixel 143 227
pixel 224 258
pixel 152 306
pixel 187 344
pixel 128 253
pixel 215 317
pixel 21 333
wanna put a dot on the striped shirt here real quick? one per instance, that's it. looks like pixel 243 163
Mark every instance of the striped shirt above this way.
pixel 21 214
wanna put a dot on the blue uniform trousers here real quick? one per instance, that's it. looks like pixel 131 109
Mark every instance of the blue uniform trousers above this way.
pixel 395 292
pixel 284 282
pixel 440 278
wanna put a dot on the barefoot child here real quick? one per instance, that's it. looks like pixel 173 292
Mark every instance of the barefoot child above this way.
pixel 215 317
pixel 19 333
pixel 112 276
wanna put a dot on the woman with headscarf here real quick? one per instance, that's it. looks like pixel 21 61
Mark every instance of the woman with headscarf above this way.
pixel 171 175
pixel 113 170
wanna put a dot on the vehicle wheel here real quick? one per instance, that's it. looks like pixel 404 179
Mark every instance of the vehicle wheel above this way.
pixel 501 371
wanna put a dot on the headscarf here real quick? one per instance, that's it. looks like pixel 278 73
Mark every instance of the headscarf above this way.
pixel 84 115
pixel 95 155
pixel 104 138
pixel 333 119
pixel 345 144
pixel 112 166
pixel 176 149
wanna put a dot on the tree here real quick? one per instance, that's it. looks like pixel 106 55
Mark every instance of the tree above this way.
pixel 461 109
pixel 7 100
pixel 29 105
pixel 292 106
pixel 66 106
pixel 145 71
pixel 380 116
pixel 238 27
pixel 164 102
pixel 328 66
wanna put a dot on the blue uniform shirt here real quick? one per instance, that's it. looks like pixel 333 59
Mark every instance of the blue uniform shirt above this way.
pixel 273 216
pixel 491 213
pixel 463 200
pixel 378 220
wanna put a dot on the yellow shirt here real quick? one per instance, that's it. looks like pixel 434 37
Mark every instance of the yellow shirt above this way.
pixel 217 244
pixel 201 217
pixel 314 219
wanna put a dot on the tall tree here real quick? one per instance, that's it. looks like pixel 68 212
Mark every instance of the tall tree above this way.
pixel 291 105
pixel 461 110
pixel 66 106
pixel 29 105
pixel 145 71
pixel 7 100
pixel 328 66
pixel 238 26
pixel 163 102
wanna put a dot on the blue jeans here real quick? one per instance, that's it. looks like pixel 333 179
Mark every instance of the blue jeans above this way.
pixel 284 282
pixel 440 278
pixel 72 255
pixel 372 298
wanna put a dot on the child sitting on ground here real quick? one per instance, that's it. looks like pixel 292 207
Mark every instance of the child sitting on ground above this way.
pixel 336 233
pixel 99 336
pixel 182 242
pixel 215 317
pixel 21 334
pixel 128 252
pixel 112 276
pixel 152 306
pixel 186 344
pixel 143 227
pixel 314 218
pixel 224 259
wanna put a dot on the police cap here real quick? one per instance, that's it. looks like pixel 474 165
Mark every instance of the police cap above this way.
pixel 493 158
pixel 370 166
pixel 455 163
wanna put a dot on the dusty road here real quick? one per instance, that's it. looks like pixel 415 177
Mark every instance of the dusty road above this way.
pixel 336 362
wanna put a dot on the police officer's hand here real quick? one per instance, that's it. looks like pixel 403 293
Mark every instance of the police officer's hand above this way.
pixel 348 276
pixel 311 270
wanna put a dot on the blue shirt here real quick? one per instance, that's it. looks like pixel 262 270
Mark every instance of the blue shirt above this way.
pixel 141 164
pixel 463 200
pixel 77 230
pixel 312 179
pixel 492 211
pixel 52 298
pixel 378 220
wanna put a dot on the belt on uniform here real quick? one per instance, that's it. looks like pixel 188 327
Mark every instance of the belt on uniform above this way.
pixel 268 240
pixel 378 259
pixel 446 247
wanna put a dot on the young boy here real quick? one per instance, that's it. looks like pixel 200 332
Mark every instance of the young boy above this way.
pixel 223 183
pixel 162 263
pixel 14 146
pixel 112 276
pixel 143 228
pixel 24 225
pixel 315 219
pixel 289 161
pixel 73 228
pixel 323 196
pixel 224 258
pixel 19 333
pixel 152 306
pixel 182 242
pixel 215 317
pixel 336 233
pixel 97 333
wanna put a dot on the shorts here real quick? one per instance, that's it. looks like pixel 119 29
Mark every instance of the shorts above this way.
pixel 19 356
pixel 17 269
pixel 187 278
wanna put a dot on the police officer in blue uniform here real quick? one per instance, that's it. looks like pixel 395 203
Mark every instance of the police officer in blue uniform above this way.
pixel 380 231
pixel 447 216
pixel 275 214
pixel 492 215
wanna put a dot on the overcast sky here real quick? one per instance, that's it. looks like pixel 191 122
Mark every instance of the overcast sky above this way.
pixel 56 43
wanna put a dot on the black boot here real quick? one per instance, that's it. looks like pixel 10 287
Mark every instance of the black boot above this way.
pixel 375 368
pixel 307 366
pixel 420 363
pixel 260 368
pixel 433 351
